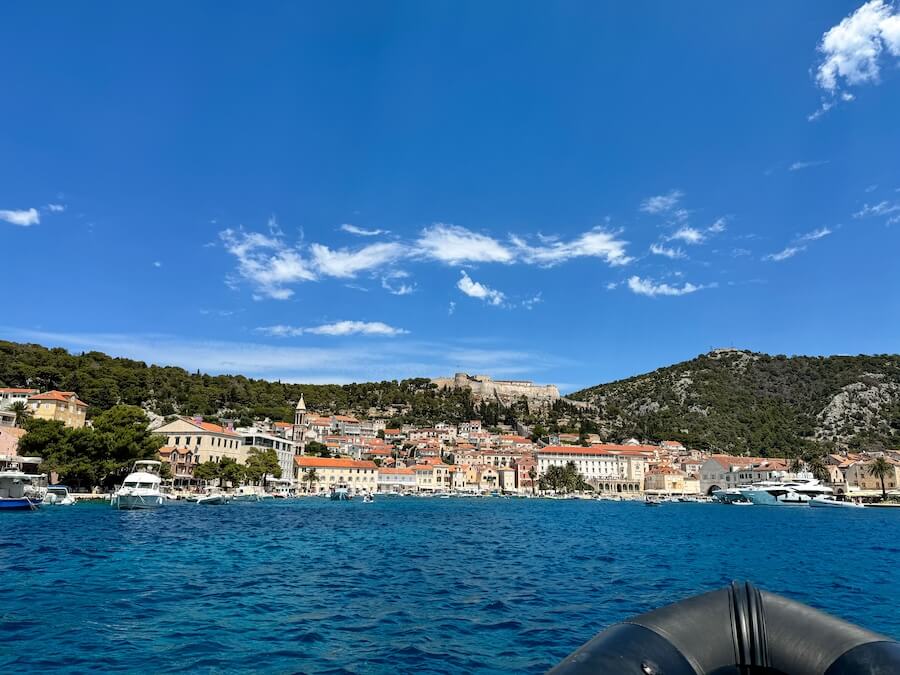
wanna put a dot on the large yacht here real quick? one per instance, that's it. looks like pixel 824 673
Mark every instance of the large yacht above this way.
pixel 141 489
pixel 786 492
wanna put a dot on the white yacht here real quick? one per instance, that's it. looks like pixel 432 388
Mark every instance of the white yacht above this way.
pixel 141 489
pixel 787 492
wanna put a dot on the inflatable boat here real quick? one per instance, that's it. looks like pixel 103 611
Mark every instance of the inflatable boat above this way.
pixel 738 630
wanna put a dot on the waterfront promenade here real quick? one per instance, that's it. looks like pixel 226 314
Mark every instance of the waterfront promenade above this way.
pixel 404 584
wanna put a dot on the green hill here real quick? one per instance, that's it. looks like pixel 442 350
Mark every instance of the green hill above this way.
pixel 740 401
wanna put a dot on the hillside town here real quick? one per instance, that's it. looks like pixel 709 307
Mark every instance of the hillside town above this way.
pixel 319 451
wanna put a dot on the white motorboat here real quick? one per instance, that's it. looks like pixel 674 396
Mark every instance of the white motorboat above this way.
pixel 141 489
pixel 831 502
pixel 58 495
pixel 340 493
pixel 368 499
pixel 214 499
pixel 17 492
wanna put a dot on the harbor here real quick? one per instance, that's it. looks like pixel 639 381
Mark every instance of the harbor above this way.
pixel 406 583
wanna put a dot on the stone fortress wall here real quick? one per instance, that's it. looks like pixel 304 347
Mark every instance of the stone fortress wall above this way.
pixel 485 387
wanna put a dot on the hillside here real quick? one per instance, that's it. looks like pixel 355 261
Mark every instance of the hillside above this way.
pixel 103 381
pixel 737 401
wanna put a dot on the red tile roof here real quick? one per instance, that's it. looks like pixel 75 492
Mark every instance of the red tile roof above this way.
pixel 61 396
pixel 17 390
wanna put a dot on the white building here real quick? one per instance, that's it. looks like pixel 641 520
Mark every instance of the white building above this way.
pixel 283 447
pixel 727 471
pixel 11 395
pixel 396 480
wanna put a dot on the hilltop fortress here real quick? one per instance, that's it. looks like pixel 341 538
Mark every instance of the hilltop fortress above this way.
pixel 507 391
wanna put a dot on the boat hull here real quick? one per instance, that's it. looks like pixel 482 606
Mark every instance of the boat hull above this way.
pixel 830 504
pixel 137 502
pixel 19 504
pixel 215 500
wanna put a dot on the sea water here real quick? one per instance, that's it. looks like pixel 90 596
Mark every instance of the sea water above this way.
pixel 404 584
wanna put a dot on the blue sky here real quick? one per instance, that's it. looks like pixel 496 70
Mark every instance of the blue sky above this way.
pixel 335 192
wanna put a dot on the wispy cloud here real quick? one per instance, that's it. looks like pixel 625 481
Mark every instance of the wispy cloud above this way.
pixel 799 166
pixel 271 266
pixel 347 263
pixel 454 245
pixel 478 290
pixel 815 234
pixel 157 263
pixel 596 243
pixel 718 227
pixel 662 203
pixel 689 235
pixel 667 251
pixel 854 50
pixel 784 254
pixel 883 208
pixel 22 218
pixel 362 232
pixel 375 359
pixel 338 328
pixel 652 289
pixel 56 208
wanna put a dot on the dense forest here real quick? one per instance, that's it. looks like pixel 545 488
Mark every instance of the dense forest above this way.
pixel 740 401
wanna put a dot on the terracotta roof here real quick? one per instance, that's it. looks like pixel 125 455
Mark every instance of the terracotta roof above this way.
pixel 750 463
pixel 592 450
pixel 167 450
pixel 61 396
pixel 12 431
pixel 209 426
pixel 332 463
pixel 17 390
pixel 399 472
pixel 283 424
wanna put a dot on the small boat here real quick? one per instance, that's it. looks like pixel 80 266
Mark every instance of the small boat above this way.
pixel 651 501
pixel 831 502
pixel 340 493
pixel 214 499
pixel 368 499
pixel 58 495
pixel 16 492
pixel 141 489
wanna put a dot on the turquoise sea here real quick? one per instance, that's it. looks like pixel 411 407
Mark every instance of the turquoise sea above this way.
pixel 403 584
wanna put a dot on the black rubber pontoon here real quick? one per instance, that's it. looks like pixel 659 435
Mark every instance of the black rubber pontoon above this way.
pixel 739 630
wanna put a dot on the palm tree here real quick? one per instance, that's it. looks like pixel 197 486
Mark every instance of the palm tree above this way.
pixel 311 477
pixel 22 411
pixel 817 468
pixel 880 468
pixel 796 465
pixel 532 474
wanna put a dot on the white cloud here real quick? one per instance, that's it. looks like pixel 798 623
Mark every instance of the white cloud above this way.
pixel 339 328
pixel 451 308
pixel 668 252
pixel 815 234
pixel 478 290
pixel 596 243
pixel 852 51
pixel 880 209
pixel 21 218
pixel 157 263
pixel 799 166
pixel 267 263
pixel 345 263
pixel 662 203
pixel 56 208
pixel 718 226
pixel 453 245
pixel 651 289
pixel 612 285
pixel 353 229
pixel 387 283
pixel 784 254
pixel 688 235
